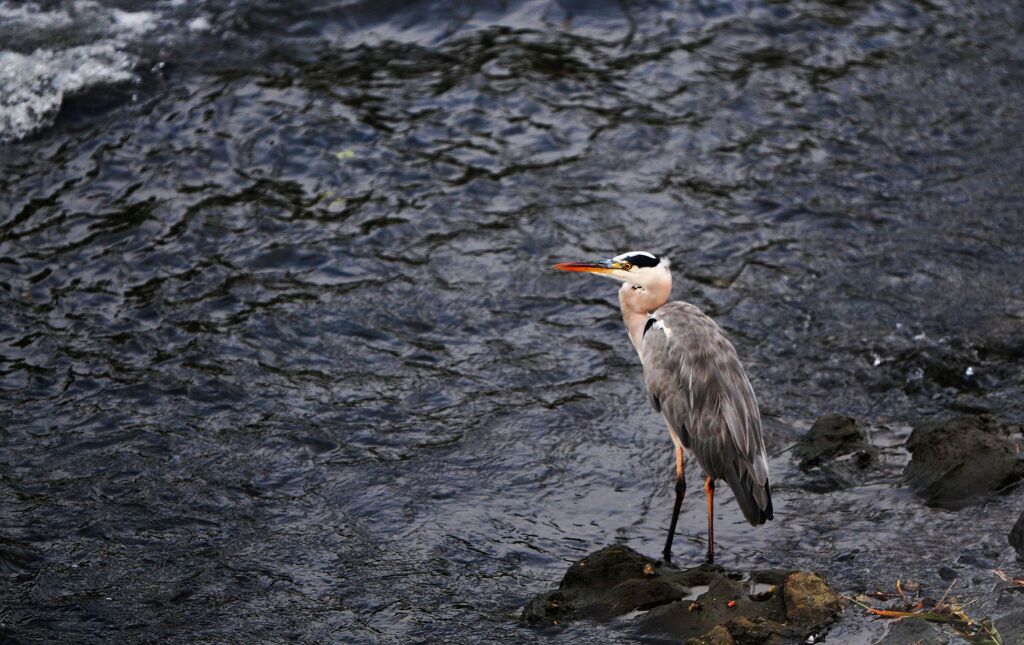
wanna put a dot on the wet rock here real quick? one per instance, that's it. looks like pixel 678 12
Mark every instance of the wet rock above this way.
pixel 607 583
pixel 1011 626
pixel 724 603
pixel 969 403
pixel 809 599
pixel 835 453
pixel 1017 536
pixel 913 632
pixel 961 462
pixel 948 573
pixel 938 366
pixel 977 561
pixel 701 605
pixel 717 636
pixel 761 630
pixel 831 435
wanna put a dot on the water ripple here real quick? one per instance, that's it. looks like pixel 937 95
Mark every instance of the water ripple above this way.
pixel 281 354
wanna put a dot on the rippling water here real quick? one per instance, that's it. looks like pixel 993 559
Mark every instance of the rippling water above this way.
pixel 282 359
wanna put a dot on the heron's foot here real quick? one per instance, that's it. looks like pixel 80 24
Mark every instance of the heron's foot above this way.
pixel 710 557
pixel 666 556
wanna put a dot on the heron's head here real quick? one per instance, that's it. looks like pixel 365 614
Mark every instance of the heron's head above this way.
pixel 636 268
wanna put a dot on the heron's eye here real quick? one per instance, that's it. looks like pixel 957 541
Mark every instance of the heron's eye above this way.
pixel 627 265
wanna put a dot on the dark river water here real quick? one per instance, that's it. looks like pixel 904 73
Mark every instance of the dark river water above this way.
pixel 282 358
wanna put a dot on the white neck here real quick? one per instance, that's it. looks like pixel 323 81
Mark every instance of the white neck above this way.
pixel 638 304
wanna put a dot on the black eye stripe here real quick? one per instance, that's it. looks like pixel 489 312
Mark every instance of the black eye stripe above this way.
pixel 641 260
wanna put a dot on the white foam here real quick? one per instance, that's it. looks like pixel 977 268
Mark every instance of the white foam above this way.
pixel 47 55
pixel 32 87
pixel 18 15
pixel 137 22
pixel 199 24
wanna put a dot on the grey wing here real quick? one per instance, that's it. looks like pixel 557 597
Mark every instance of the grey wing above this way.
pixel 695 379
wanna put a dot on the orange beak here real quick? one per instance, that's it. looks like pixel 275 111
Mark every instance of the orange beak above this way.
pixel 604 266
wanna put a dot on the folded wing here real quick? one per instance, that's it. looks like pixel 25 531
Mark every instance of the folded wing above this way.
pixel 696 380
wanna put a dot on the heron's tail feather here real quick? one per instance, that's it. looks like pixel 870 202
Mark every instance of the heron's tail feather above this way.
pixel 755 500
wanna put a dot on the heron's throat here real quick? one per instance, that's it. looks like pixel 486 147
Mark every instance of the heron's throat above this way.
pixel 637 305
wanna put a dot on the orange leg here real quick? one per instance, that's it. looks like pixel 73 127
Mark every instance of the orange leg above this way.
pixel 709 489
pixel 680 493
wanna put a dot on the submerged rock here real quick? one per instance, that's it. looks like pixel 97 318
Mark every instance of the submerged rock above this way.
pixel 957 463
pixel 1017 536
pixel 705 604
pixel 913 631
pixel 831 436
pixel 835 453
pixel 1011 627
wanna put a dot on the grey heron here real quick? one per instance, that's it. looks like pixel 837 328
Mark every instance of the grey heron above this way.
pixel 696 381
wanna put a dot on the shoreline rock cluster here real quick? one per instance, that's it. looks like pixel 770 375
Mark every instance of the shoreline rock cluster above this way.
pixel 703 604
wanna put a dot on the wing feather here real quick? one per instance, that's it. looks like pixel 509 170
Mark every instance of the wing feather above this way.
pixel 695 379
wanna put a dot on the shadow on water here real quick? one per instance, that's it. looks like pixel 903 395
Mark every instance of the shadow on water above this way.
pixel 281 357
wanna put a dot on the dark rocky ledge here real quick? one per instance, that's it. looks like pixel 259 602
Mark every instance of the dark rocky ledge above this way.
pixel 703 604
